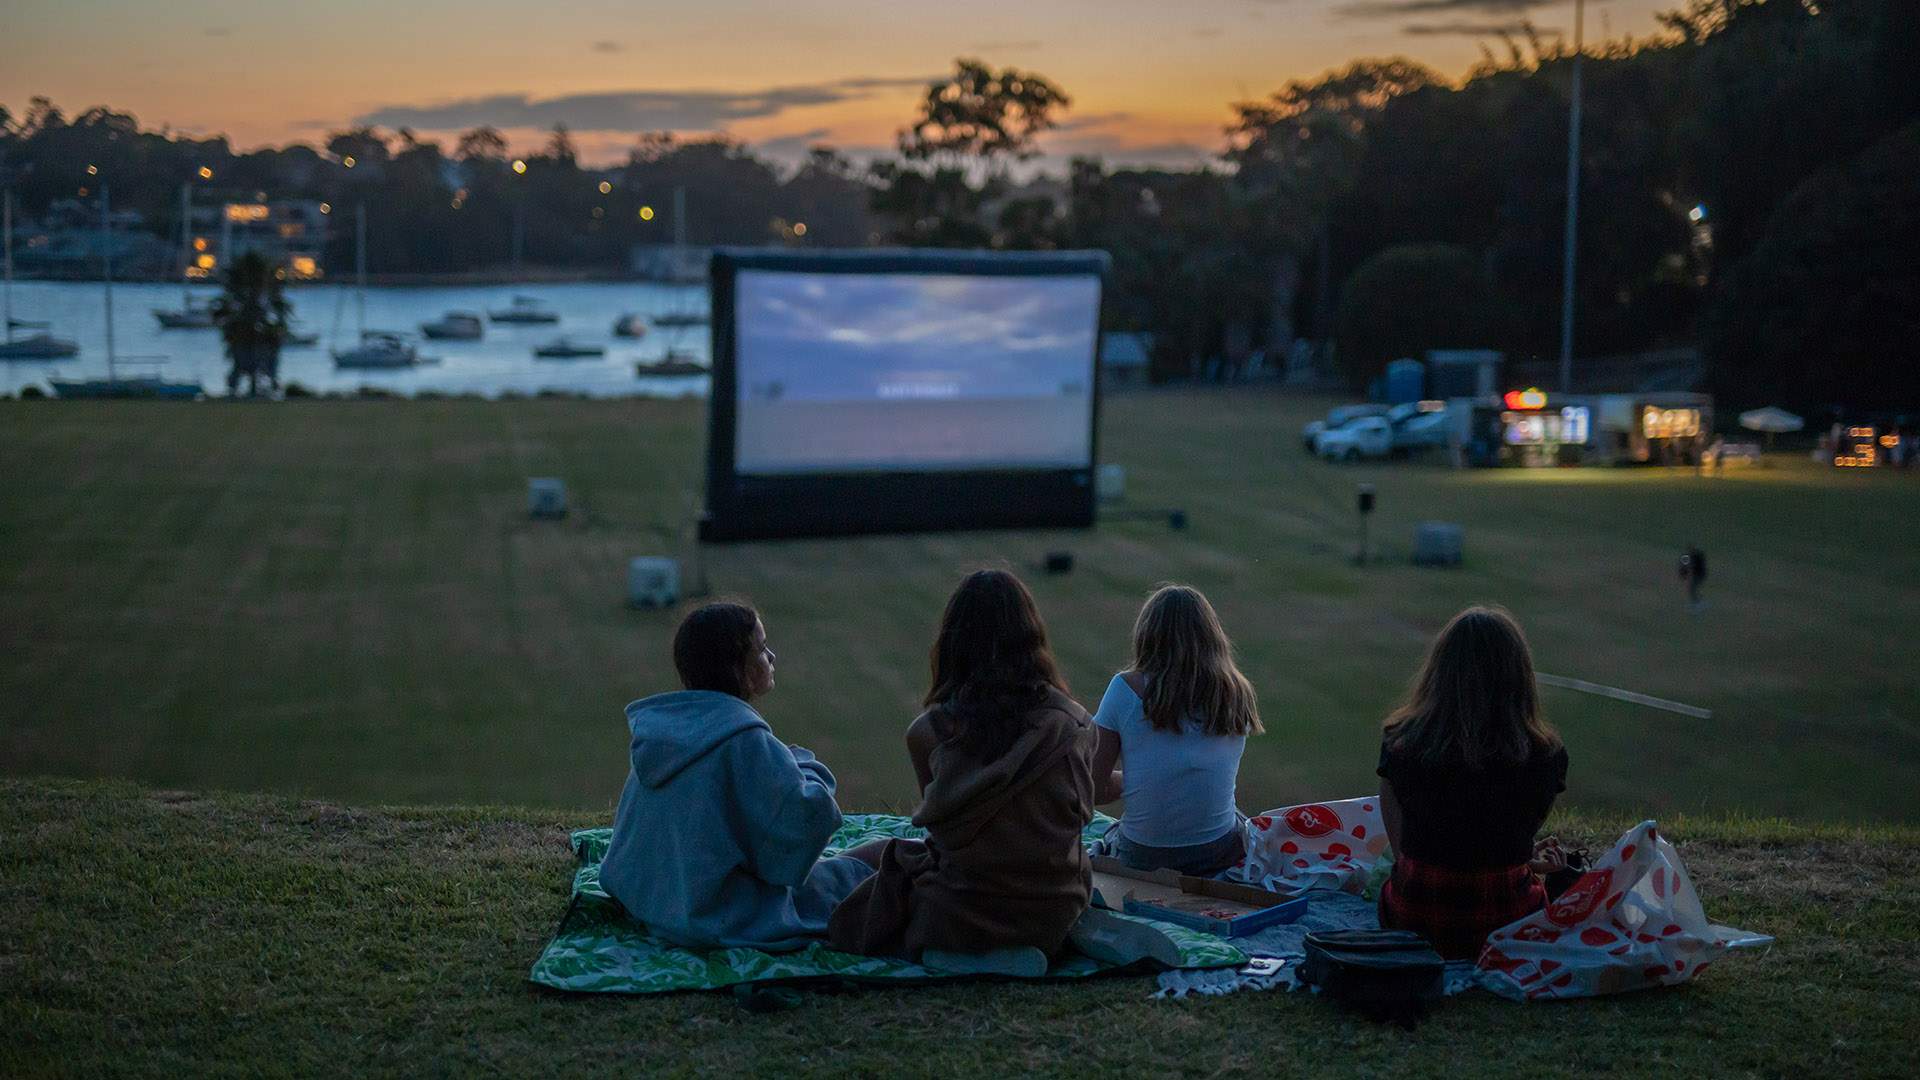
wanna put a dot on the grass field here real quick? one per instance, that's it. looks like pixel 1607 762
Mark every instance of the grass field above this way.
pixel 345 600
pixel 164 933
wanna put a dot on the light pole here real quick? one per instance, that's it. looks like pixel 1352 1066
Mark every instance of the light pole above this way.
pixel 519 215
pixel 1573 204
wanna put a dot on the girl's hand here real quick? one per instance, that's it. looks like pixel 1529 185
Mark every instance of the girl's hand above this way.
pixel 1548 856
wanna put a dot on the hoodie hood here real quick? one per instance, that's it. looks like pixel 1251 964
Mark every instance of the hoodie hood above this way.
pixel 672 731
pixel 966 795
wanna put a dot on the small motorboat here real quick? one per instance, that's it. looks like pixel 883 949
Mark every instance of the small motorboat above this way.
pixel 630 326
pixel 455 326
pixel 41 346
pixel 672 365
pixel 524 309
pixel 564 348
pixel 681 318
pixel 193 315
pixel 377 349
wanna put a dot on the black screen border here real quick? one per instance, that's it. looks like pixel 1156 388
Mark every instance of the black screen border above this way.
pixel 791 506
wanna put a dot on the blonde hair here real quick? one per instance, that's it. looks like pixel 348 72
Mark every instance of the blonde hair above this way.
pixel 1474 702
pixel 1184 655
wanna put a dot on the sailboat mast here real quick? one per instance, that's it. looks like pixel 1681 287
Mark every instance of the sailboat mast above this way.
pixel 7 214
pixel 106 268
pixel 186 243
pixel 679 229
pixel 360 263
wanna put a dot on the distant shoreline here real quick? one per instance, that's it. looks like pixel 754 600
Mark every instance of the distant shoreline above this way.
pixel 524 276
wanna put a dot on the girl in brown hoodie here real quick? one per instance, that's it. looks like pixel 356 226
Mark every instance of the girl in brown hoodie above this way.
pixel 1004 761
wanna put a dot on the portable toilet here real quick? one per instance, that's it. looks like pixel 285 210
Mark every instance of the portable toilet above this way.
pixel 1406 381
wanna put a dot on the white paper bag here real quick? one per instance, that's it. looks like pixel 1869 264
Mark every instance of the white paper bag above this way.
pixel 1314 846
pixel 1631 922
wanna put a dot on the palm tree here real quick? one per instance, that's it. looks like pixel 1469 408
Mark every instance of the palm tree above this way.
pixel 252 317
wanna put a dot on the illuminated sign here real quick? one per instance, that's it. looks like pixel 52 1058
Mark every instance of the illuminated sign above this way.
pixel 1858 450
pixel 1531 398
pixel 1533 428
pixel 246 212
pixel 1659 423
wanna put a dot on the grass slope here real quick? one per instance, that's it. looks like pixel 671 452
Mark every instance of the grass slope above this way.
pixel 345 600
pixel 165 933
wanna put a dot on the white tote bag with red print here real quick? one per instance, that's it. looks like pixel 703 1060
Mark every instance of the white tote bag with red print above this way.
pixel 1315 846
pixel 1633 921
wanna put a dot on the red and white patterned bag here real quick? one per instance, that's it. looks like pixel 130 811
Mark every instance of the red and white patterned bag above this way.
pixel 1315 846
pixel 1633 921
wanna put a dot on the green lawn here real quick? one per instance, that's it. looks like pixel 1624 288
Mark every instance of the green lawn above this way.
pixel 345 600
pixel 175 934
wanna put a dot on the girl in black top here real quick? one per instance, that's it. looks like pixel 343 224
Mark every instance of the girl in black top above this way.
pixel 1468 771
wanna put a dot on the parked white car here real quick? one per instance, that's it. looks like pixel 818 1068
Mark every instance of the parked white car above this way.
pixel 1421 431
pixel 1337 417
pixel 1367 437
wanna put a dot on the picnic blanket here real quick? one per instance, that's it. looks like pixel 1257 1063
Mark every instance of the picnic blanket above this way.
pixel 599 949
pixel 1633 922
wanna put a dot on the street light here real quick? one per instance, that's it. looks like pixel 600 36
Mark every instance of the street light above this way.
pixel 519 166
pixel 1573 203
pixel 605 187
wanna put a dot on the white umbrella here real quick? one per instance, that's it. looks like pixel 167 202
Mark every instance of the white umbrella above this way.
pixel 1772 419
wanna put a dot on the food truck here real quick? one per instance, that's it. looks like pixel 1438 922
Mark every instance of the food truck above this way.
pixel 1666 428
pixel 1528 428
pixel 1531 428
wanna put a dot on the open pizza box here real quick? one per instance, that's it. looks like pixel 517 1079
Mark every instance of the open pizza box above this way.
pixel 1226 908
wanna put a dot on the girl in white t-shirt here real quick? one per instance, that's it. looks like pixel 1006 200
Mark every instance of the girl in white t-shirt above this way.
pixel 1172 728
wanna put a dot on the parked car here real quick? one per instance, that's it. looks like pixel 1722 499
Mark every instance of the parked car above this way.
pixel 1366 436
pixel 1420 431
pixel 1337 417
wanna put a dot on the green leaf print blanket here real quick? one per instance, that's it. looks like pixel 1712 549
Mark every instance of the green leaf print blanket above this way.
pixel 598 949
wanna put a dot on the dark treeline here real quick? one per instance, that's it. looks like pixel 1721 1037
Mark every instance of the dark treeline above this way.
pixel 1747 186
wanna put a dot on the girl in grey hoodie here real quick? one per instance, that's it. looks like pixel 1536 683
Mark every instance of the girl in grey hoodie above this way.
pixel 718 837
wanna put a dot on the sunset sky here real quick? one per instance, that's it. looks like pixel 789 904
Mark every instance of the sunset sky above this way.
pixel 1151 80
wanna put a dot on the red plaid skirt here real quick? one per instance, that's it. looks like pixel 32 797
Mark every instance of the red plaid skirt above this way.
pixel 1457 909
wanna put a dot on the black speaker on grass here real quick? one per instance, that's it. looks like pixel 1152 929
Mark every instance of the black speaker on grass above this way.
pixel 1059 562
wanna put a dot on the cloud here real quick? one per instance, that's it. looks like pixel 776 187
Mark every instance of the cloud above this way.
pixel 632 110
pixel 1516 28
pixel 608 47
pixel 1387 9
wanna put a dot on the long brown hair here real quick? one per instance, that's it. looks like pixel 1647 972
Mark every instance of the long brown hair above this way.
pixel 1474 702
pixel 1183 653
pixel 991 663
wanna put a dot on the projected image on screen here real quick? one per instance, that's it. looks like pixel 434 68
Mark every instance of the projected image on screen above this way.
pixel 886 372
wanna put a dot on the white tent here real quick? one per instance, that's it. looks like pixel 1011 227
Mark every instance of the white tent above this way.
pixel 1770 420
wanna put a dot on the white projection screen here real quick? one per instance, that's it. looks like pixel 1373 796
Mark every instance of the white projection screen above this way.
pixel 911 390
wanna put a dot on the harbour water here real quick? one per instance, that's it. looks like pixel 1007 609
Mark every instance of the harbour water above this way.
pixel 502 362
